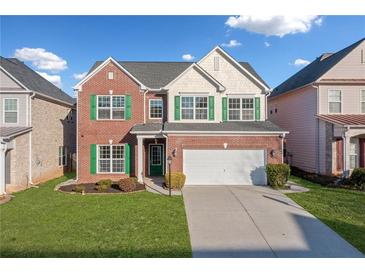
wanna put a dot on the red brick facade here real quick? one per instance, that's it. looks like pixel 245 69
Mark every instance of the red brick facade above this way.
pixel 216 142
pixel 100 132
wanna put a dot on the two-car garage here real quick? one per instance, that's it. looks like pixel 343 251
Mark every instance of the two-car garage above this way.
pixel 224 166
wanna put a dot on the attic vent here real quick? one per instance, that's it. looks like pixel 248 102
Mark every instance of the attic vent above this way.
pixel 325 55
pixel 216 63
pixel 362 57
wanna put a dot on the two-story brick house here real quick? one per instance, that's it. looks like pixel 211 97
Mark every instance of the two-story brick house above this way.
pixel 210 116
pixel 323 107
pixel 37 127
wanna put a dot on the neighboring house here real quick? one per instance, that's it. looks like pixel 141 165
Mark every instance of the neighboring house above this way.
pixel 37 127
pixel 323 107
pixel 210 116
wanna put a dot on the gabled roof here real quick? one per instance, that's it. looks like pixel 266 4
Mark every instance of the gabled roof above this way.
pixel 8 132
pixel 33 81
pixel 313 71
pixel 156 75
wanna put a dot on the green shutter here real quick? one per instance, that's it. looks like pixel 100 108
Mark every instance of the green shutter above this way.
pixel 211 107
pixel 257 108
pixel 128 107
pixel 127 157
pixel 224 108
pixel 177 107
pixel 93 107
pixel 92 158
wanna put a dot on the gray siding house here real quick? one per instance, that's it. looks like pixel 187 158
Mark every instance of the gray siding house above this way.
pixel 37 127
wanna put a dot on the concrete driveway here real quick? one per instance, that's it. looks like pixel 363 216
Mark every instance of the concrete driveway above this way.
pixel 253 221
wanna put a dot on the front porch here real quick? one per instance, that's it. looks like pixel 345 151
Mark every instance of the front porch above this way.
pixel 348 142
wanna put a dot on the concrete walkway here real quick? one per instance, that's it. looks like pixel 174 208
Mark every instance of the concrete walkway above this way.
pixel 253 221
pixel 155 185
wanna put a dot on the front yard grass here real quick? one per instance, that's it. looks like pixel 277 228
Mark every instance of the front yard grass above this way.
pixel 341 209
pixel 44 223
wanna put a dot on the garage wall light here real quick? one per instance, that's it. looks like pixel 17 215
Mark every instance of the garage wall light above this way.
pixel 225 145
pixel 272 153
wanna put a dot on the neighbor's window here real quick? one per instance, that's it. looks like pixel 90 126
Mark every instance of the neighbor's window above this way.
pixel 156 106
pixel 363 101
pixel 62 156
pixel 194 107
pixel 241 109
pixel 353 153
pixel 334 101
pixel 10 110
pixel 111 107
pixel 110 75
pixel 111 159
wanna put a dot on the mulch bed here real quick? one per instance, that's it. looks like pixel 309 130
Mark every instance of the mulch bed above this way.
pixel 315 178
pixel 90 189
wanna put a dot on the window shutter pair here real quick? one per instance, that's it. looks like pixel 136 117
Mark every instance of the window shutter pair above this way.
pixel 257 109
pixel 128 107
pixel 93 159
pixel 210 107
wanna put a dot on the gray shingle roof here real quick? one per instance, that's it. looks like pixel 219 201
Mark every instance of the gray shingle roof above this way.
pixel 33 81
pixel 159 74
pixel 255 126
pixel 12 131
pixel 313 71
pixel 149 127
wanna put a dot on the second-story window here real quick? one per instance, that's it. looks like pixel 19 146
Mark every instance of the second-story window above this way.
pixel 111 107
pixel 194 107
pixel 362 101
pixel 334 101
pixel 156 106
pixel 241 109
pixel 10 110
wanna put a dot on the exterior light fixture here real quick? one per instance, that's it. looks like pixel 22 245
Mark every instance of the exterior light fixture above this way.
pixel 272 153
pixel 225 145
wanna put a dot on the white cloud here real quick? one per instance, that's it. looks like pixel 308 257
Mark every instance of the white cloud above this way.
pixel 278 25
pixel 188 57
pixel 41 59
pixel 267 44
pixel 301 62
pixel 79 76
pixel 232 44
pixel 54 79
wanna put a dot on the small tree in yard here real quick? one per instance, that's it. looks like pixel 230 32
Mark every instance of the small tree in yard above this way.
pixel 357 178
pixel 277 174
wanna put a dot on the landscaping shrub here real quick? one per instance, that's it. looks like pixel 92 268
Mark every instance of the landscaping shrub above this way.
pixel 79 188
pixel 277 174
pixel 128 184
pixel 358 178
pixel 177 180
pixel 105 182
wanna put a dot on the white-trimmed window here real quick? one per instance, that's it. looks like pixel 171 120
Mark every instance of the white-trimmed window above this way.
pixel 62 156
pixel 111 107
pixel 111 158
pixel 334 101
pixel 241 109
pixel 110 75
pixel 156 108
pixel 362 100
pixel 194 107
pixel 353 153
pixel 10 110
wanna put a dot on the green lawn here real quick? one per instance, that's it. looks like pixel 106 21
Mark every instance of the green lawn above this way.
pixel 44 223
pixel 341 209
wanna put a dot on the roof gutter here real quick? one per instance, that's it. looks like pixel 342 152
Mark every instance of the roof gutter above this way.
pixel 35 93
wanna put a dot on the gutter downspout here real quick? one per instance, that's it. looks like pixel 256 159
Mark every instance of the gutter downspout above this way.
pixel 282 147
pixel 144 105
pixel 30 139
pixel 345 171
pixel 268 93
pixel 3 148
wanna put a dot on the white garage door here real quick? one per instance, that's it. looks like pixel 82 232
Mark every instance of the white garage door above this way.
pixel 224 167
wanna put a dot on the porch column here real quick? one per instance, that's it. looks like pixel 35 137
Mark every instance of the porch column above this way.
pixel 346 155
pixel 140 159
pixel 2 167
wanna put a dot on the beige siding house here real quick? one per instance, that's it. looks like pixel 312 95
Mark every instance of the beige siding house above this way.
pixel 37 127
pixel 323 107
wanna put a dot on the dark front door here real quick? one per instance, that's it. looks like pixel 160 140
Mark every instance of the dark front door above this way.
pixel 362 152
pixel 156 159
pixel 339 158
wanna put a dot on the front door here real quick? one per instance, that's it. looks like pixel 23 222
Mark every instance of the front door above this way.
pixel 156 160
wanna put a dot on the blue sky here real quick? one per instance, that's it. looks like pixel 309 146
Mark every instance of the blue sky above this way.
pixel 71 44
